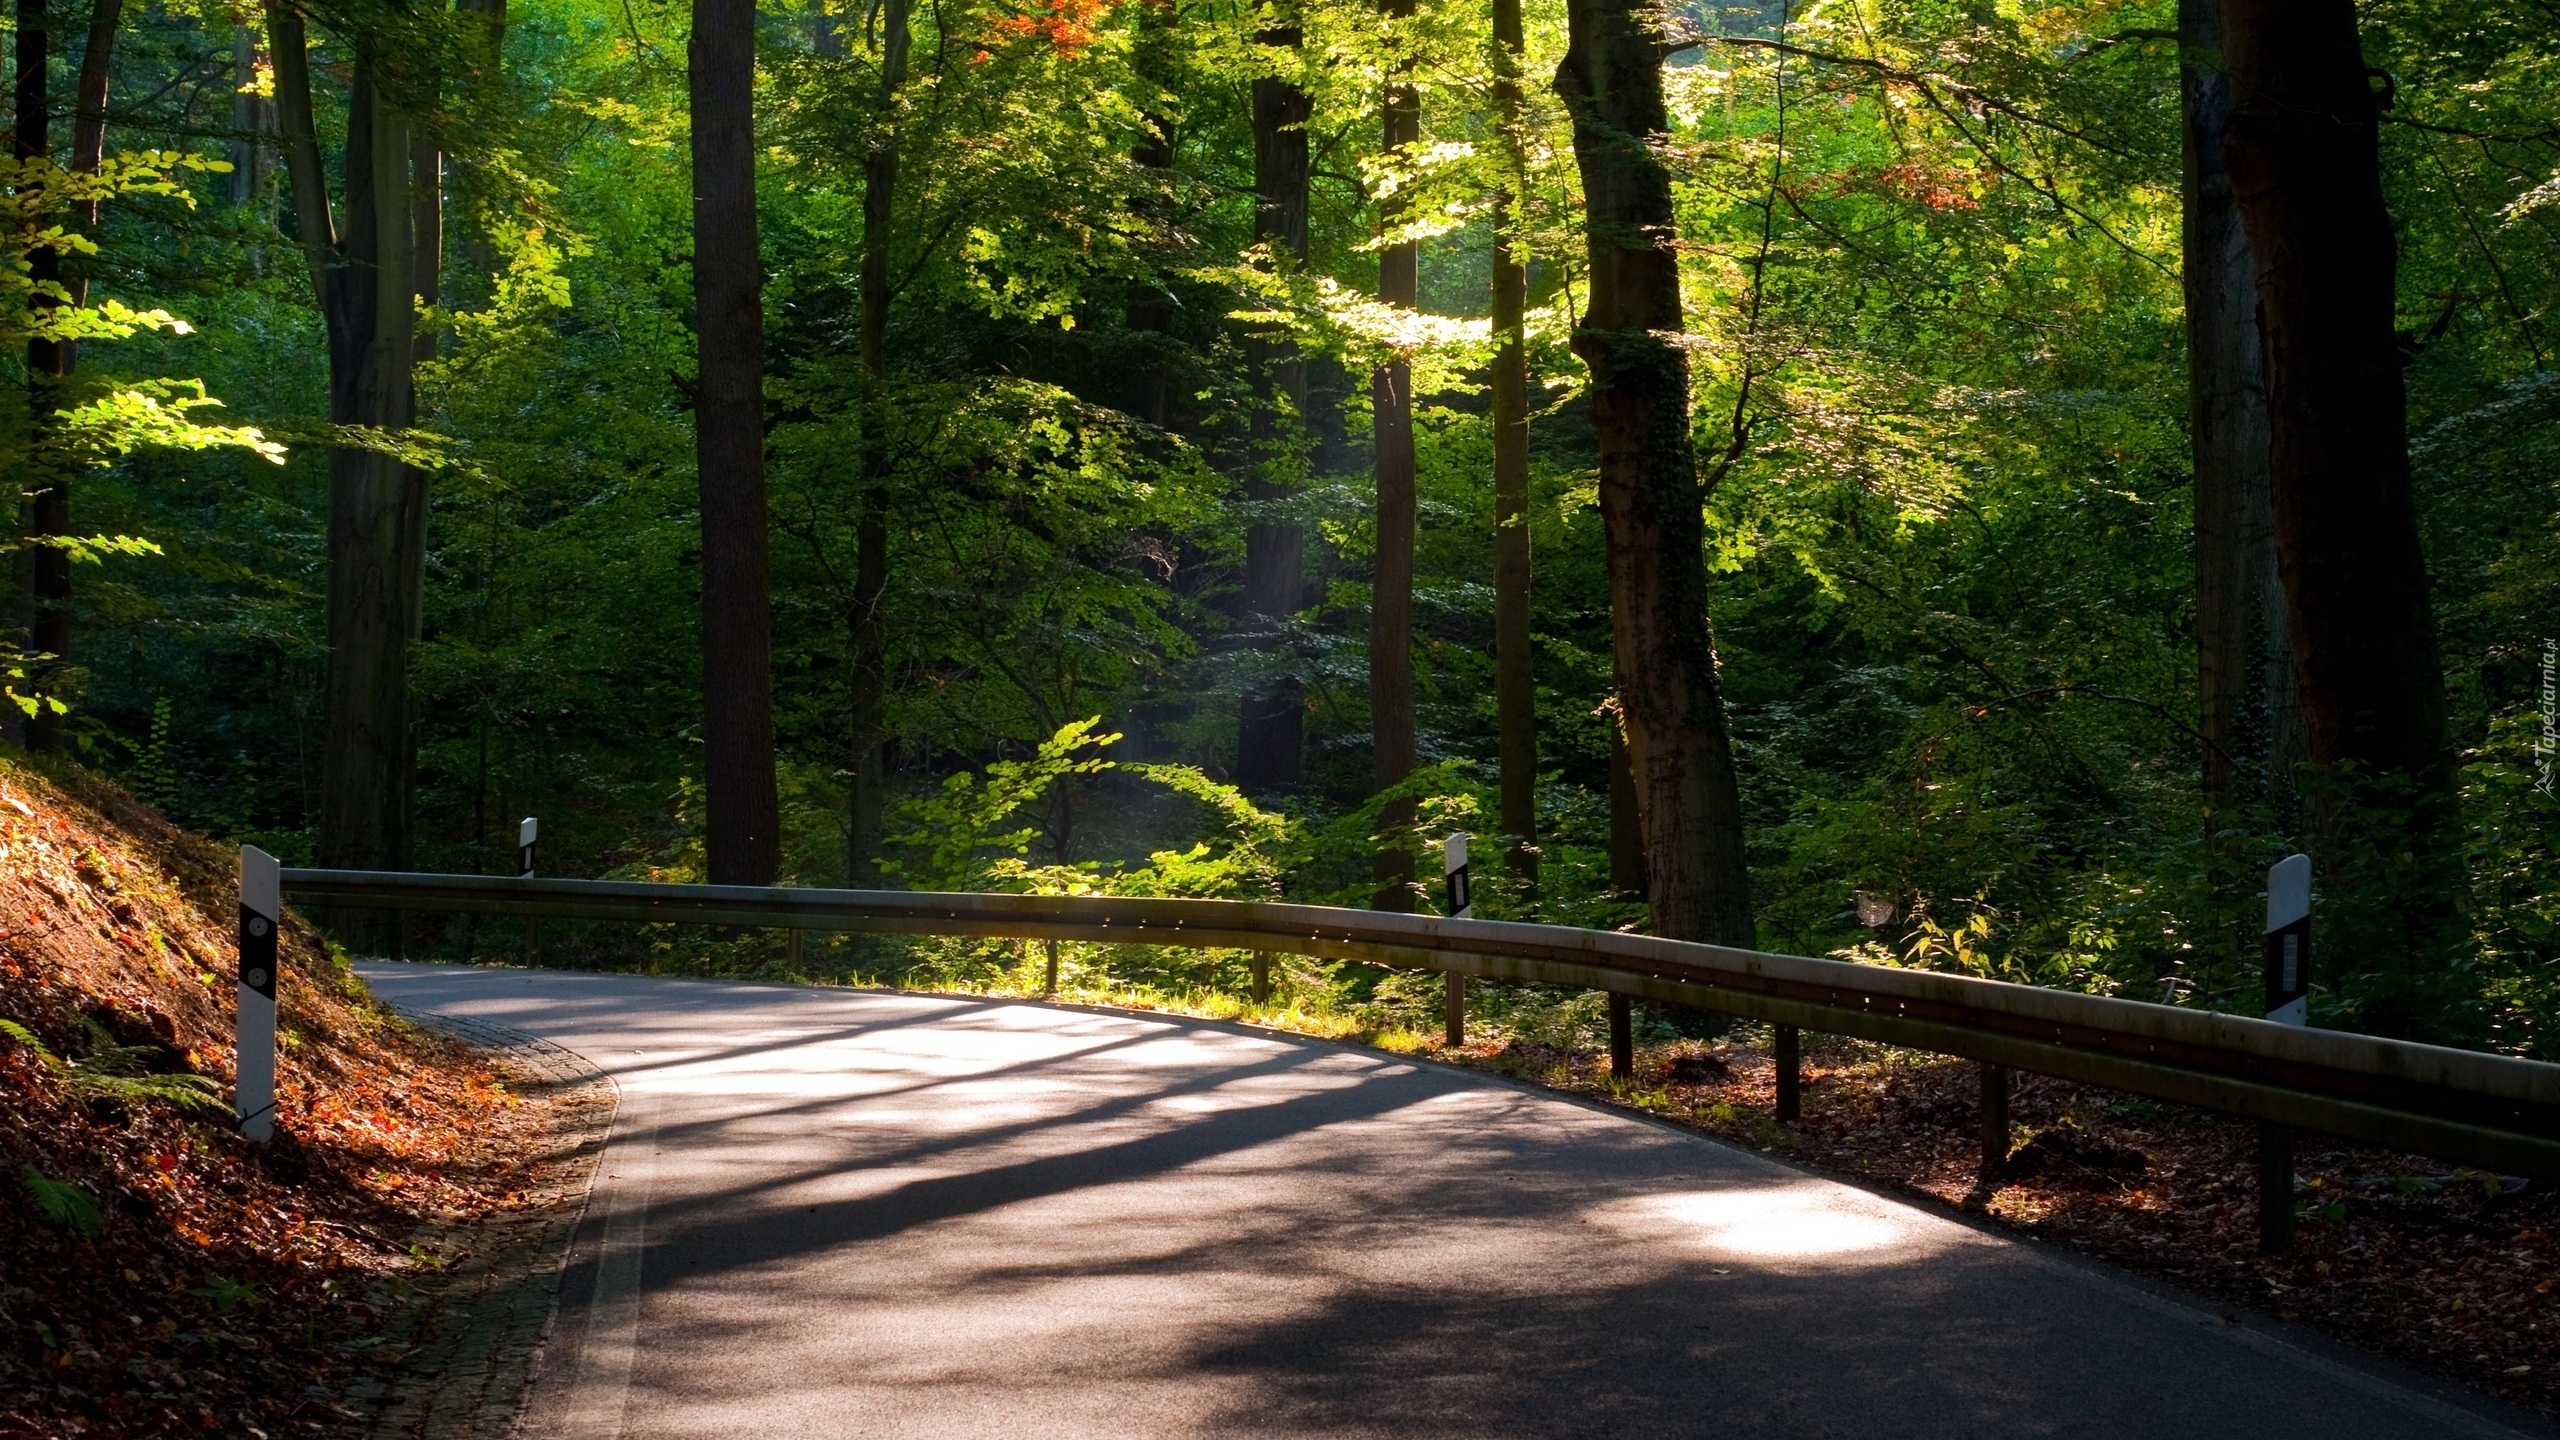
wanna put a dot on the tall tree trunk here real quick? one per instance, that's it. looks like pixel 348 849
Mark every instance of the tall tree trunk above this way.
pixel 242 148
pixel 1152 57
pixel 363 283
pixel 2304 153
pixel 1270 739
pixel 89 127
pixel 1515 689
pixel 1678 748
pixel 2249 708
pixel 869 791
pixel 45 567
pixel 424 224
pixel 1391 720
pixel 314 228
pixel 743 821
pixel 377 506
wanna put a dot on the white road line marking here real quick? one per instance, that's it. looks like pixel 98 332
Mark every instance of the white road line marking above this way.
pixel 613 1312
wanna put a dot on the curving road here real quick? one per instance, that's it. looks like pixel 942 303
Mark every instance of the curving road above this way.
pixel 855 1213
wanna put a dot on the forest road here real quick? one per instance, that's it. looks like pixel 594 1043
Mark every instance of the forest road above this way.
pixel 834 1212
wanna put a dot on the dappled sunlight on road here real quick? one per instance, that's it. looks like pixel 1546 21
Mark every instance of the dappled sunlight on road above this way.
pixel 1795 1222
pixel 875 1214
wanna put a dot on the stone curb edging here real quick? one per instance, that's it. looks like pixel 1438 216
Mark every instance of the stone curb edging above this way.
pixel 477 1329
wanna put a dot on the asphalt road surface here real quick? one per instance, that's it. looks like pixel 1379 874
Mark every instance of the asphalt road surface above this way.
pixel 854 1213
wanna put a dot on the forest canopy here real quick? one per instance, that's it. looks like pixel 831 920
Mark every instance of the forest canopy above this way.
pixel 1184 447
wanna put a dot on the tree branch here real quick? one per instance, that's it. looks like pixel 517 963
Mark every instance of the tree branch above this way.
pixel 312 225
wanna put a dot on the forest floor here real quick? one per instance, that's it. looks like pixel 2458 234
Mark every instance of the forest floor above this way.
pixel 2451 1272
pixel 159 1275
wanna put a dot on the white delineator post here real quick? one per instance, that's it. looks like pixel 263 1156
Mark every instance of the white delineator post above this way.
pixel 2288 977
pixel 526 833
pixel 2288 961
pixel 254 1058
pixel 1461 905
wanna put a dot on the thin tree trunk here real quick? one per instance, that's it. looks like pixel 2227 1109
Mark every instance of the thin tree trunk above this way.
pixel 1678 747
pixel 89 123
pixel 47 568
pixel 242 148
pixel 424 226
pixel 1515 690
pixel 2303 147
pixel 2248 706
pixel 314 229
pixel 1152 57
pixel 1391 720
pixel 1626 820
pixel 426 229
pixel 44 565
pixel 1270 738
pixel 743 823
pixel 869 790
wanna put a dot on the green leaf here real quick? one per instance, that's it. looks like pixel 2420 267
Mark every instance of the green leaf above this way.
pixel 61 1202
pixel 226 1293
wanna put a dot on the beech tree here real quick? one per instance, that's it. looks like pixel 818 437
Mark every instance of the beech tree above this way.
pixel 1679 753
pixel 366 281
pixel 2248 705
pixel 1270 738
pixel 1515 679
pixel 1391 412
pixel 2304 157
pixel 871 544
pixel 743 826
pixel 45 567
pixel 2303 147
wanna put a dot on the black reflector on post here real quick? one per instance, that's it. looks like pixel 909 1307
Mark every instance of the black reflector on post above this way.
pixel 254 1054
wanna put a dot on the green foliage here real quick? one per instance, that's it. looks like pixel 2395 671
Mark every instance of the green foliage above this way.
pixel 1930 257
pixel 119 1073
pixel 954 836
pixel 62 1202
pixel 956 842
pixel 226 1293
pixel 155 779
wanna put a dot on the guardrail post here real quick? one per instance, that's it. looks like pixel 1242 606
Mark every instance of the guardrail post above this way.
pixel 1049 985
pixel 1995 1124
pixel 253 1063
pixel 525 834
pixel 1790 1082
pixel 1461 905
pixel 1622 1037
pixel 2288 977
pixel 1260 965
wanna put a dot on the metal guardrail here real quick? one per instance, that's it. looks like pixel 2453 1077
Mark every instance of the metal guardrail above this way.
pixel 2492 1111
